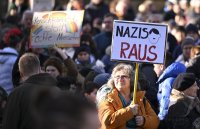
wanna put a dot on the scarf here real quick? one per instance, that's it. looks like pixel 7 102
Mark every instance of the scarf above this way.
pixel 130 124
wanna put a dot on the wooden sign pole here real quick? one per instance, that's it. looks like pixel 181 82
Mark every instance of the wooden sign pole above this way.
pixel 135 82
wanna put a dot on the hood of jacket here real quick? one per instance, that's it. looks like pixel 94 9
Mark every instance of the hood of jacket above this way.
pixel 172 71
pixel 6 54
pixel 107 92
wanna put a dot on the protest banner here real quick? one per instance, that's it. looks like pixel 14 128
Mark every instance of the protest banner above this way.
pixel 60 28
pixel 139 42
pixel 41 5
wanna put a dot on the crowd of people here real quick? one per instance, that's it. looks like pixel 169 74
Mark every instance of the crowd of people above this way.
pixel 81 88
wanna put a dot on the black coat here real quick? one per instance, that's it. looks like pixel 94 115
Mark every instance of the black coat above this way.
pixel 18 110
pixel 184 114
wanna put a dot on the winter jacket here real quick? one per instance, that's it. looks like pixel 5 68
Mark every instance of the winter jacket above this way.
pixel 112 115
pixel 165 82
pixel 184 113
pixel 102 40
pixel 82 65
pixel 93 11
pixel 8 57
pixel 18 109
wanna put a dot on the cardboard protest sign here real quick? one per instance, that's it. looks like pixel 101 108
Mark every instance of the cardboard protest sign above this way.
pixel 60 28
pixel 42 5
pixel 138 42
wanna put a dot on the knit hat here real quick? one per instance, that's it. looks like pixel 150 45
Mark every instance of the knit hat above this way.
pixel 82 48
pixel 54 61
pixel 191 28
pixel 12 37
pixel 184 81
pixel 187 41
pixel 101 79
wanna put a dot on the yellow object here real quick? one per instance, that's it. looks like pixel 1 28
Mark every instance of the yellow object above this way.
pixel 135 83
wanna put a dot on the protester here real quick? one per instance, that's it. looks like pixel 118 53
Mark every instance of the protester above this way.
pixel 96 9
pixel 165 81
pixel 116 109
pixel 109 64
pixel 184 111
pixel 93 63
pixel 123 10
pixel 54 66
pixel 18 110
pixel 8 56
pixel 103 39
pixel 83 57
pixel 195 51
pixel 179 33
pixel 26 21
pixel 186 46
pixel 193 66
pixel 101 79
pixel 90 91
pixel 63 110
pixel 192 31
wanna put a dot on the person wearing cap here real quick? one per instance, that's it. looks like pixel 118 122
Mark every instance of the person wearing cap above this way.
pixel 83 57
pixel 186 47
pixel 101 79
pixel 192 31
pixel 184 112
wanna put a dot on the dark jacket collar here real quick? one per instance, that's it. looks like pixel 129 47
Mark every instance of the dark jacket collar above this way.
pixel 42 79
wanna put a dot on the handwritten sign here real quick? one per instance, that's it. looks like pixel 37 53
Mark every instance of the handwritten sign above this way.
pixel 42 5
pixel 139 42
pixel 61 28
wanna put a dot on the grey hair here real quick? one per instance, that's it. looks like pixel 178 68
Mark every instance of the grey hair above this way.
pixel 128 69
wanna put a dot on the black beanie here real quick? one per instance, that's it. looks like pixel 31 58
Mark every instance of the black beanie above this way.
pixel 82 48
pixel 191 28
pixel 184 81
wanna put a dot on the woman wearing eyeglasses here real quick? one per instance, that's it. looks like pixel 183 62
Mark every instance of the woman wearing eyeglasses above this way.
pixel 115 106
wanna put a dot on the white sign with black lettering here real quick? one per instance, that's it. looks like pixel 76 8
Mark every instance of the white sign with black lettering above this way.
pixel 139 42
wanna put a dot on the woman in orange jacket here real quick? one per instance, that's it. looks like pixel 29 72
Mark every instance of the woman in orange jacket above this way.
pixel 116 110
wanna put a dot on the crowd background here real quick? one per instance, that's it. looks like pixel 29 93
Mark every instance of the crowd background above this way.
pixel 38 86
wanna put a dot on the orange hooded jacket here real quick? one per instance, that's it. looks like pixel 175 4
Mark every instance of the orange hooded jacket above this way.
pixel 112 115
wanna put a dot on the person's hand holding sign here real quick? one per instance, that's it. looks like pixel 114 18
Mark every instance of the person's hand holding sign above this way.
pixel 139 120
pixel 134 108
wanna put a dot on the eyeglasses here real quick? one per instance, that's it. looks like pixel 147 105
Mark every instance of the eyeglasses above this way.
pixel 122 77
